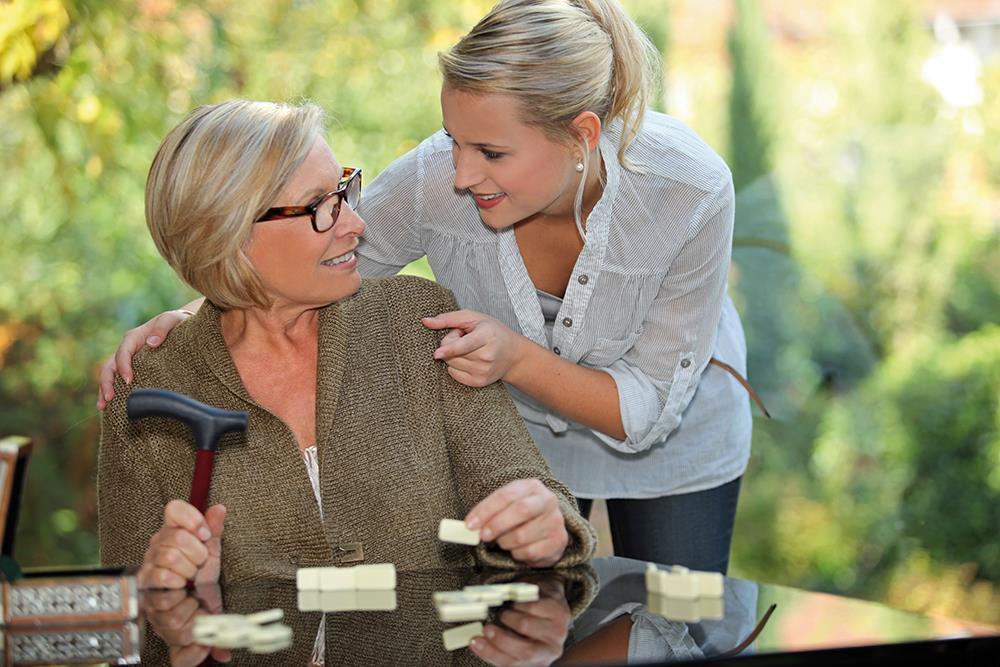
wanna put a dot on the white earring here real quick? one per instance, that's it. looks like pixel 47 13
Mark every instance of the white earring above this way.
pixel 579 167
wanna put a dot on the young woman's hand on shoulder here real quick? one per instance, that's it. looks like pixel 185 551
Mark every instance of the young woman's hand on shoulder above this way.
pixel 479 349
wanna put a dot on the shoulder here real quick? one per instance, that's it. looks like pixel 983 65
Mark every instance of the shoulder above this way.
pixel 155 366
pixel 671 154
pixel 411 296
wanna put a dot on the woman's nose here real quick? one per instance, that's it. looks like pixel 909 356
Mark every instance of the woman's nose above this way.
pixel 467 175
pixel 349 222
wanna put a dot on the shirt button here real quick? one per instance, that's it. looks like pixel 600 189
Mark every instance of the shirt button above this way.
pixel 567 322
pixel 583 280
pixel 685 363
pixel 556 350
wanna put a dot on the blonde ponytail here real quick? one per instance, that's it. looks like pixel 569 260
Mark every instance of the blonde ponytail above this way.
pixel 635 70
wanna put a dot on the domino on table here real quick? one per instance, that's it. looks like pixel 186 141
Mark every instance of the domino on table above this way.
pixel 460 637
pixel 453 530
pixel 375 576
pixel 679 582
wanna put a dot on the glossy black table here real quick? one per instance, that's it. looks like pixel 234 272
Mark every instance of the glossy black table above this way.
pixel 596 614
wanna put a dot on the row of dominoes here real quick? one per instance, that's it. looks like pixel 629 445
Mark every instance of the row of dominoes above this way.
pixel 377 576
pixel 683 584
pixel 373 577
pixel 259 632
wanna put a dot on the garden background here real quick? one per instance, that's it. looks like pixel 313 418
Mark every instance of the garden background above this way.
pixel 863 138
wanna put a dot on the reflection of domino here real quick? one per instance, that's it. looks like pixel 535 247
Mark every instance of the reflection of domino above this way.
pixel 334 601
pixel 460 637
pixel 259 632
pixel 453 530
pixel 454 612
pixel 523 592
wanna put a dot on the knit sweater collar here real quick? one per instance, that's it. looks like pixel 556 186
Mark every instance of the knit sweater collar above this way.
pixel 335 329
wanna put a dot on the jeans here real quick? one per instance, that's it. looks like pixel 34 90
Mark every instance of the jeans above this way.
pixel 690 529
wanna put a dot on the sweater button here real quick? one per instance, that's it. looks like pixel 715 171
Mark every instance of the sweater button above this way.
pixel 568 322
pixel 583 280
pixel 556 350
pixel 685 363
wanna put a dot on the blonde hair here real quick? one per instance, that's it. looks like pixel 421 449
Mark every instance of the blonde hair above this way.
pixel 213 175
pixel 560 58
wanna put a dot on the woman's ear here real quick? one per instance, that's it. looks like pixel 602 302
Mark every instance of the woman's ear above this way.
pixel 587 126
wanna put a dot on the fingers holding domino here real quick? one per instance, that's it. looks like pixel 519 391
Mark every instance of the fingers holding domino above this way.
pixel 522 517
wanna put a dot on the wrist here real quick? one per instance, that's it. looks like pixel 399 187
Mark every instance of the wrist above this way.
pixel 525 358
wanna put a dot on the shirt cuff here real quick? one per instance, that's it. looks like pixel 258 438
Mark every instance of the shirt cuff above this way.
pixel 639 402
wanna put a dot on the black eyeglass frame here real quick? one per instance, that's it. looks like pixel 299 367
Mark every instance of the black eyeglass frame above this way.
pixel 347 180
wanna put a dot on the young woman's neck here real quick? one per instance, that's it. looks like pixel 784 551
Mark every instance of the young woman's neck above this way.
pixel 563 210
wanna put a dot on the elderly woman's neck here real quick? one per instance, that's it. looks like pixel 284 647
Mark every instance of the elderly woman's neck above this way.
pixel 272 329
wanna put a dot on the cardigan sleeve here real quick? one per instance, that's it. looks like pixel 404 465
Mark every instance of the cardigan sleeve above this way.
pixel 489 445
pixel 129 499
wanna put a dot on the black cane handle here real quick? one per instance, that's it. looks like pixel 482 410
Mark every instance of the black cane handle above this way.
pixel 207 424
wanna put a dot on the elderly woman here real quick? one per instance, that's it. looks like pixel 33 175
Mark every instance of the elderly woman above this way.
pixel 358 442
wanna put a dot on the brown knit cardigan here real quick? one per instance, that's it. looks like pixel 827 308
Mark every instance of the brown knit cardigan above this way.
pixel 401 445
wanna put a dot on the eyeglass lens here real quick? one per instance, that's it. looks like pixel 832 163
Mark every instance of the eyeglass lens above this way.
pixel 329 209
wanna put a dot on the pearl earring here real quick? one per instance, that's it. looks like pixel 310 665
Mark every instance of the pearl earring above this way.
pixel 579 167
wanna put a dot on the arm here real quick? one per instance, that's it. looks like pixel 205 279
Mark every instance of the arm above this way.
pixel 638 400
pixel 129 496
pixel 172 541
pixel 392 207
pixel 658 376
pixel 500 471
pixel 151 333
pixel 496 468
pixel 484 350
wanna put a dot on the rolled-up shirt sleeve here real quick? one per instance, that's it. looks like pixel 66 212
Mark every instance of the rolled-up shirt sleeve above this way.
pixel 392 207
pixel 658 376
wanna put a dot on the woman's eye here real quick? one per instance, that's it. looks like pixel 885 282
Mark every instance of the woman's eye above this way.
pixel 490 155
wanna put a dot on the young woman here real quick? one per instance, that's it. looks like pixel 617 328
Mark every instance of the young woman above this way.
pixel 588 242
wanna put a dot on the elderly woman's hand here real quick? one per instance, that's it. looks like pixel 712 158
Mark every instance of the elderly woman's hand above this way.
pixel 479 349
pixel 171 615
pixel 187 547
pixel 523 517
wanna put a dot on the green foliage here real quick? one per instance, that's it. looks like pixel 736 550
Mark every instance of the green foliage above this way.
pixel 28 29
pixel 884 462
pixel 751 121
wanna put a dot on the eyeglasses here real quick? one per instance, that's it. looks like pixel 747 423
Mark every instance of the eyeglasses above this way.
pixel 324 210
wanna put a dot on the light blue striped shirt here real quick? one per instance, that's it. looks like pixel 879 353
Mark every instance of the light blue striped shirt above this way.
pixel 646 303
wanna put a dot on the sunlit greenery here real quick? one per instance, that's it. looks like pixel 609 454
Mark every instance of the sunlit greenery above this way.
pixel 867 259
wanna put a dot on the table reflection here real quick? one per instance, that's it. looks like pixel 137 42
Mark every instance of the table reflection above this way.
pixel 596 613
pixel 517 633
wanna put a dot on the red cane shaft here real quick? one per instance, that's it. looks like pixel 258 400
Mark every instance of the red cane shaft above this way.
pixel 202 481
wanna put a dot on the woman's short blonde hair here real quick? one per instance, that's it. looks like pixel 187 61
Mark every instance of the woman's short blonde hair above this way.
pixel 213 175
